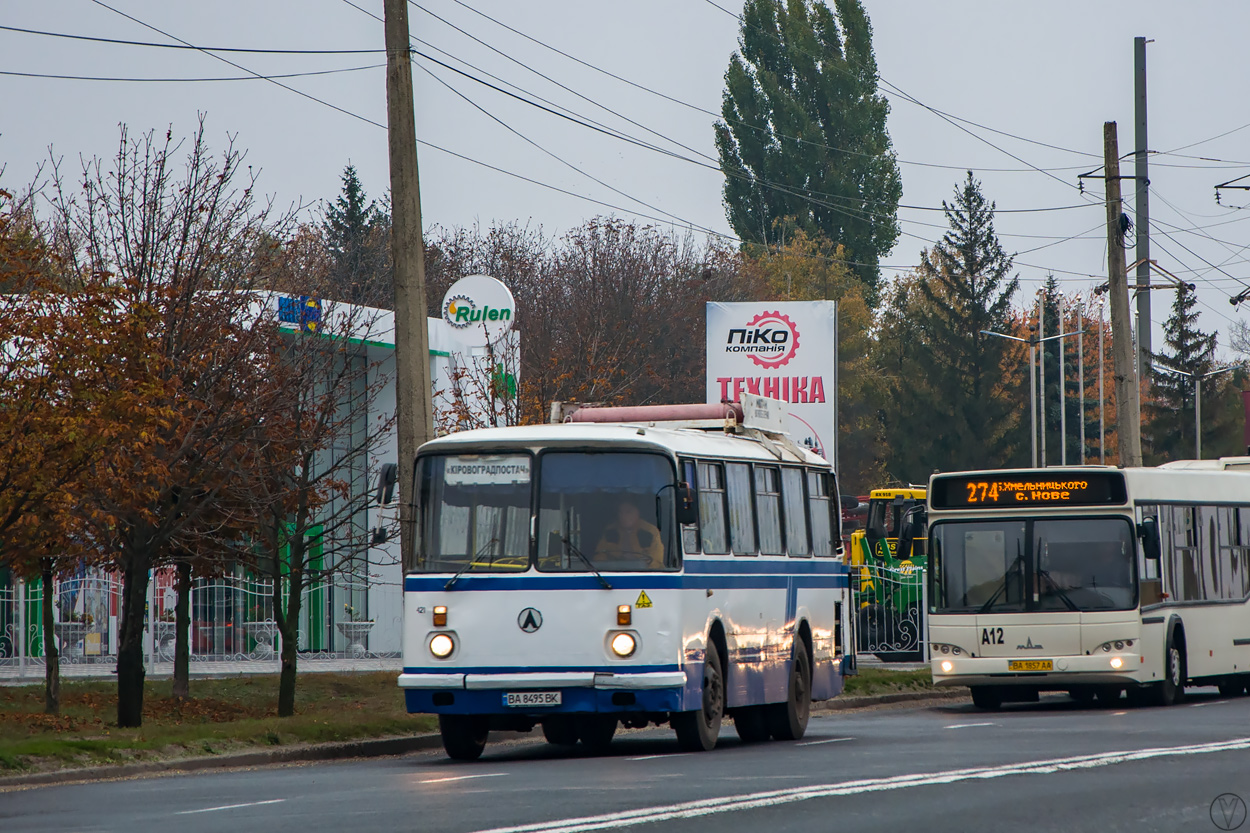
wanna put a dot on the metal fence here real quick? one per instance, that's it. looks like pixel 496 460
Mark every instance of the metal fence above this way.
pixel 892 604
pixel 232 621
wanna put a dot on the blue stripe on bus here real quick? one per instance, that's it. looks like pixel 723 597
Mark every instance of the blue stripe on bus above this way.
pixel 542 669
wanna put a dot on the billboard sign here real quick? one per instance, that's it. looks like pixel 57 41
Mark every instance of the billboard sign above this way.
pixel 781 350
pixel 479 310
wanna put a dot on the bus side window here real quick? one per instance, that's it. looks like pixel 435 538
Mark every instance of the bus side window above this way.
pixel 741 509
pixel 821 507
pixel 712 508
pixel 768 509
pixel 795 504
pixel 690 532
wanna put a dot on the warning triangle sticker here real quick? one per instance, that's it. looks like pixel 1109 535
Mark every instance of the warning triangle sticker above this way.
pixel 643 600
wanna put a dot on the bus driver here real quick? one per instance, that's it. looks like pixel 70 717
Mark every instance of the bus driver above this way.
pixel 630 538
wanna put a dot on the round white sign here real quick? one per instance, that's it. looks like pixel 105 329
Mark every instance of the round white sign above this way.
pixel 479 309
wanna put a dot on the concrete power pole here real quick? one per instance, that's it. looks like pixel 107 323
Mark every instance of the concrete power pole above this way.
pixel 1141 168
pixel 414 409
pixel 1128 406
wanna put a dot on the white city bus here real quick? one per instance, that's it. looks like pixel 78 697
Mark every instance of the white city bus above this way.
pixel 583 576
pixel 1091 580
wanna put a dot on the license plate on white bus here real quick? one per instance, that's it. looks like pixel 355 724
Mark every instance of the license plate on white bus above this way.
pixel 1031 665
pixel 532 698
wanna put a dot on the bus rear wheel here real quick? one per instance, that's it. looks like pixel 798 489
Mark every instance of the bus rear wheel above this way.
pixel 698 730
pixel 987 697
pixel 788 720
pixel 751 724
pixel 464 735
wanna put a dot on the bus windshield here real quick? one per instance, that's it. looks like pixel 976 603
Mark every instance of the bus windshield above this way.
pixel 473 513
pixel 612 510
pixel 1004 566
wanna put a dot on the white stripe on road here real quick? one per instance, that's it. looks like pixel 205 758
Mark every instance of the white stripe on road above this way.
pixel 461 778
pixel 752 801
pixel 666 755
pixel 967 725
pixel 230 807
pixel 818 742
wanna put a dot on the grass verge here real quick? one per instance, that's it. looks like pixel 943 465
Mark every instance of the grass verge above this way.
pixel 230 714
pixel 885 681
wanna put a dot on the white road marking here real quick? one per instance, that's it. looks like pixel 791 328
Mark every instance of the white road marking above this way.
pixel 752 801
pixel 666 755
pixel 817 742
pixel 967 725
pixel 230 807
pixel 461 778
pixel 1198 705
pixel 1118 714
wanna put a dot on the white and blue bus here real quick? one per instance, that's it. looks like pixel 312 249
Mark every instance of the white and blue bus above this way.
pixel 583 576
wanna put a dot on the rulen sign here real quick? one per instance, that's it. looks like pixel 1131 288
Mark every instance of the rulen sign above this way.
pixel 782 350
pixel 479 309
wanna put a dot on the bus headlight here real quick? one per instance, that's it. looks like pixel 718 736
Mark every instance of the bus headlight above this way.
pixel 1116 662
pixel 624 645
pixel 441 645
pixel 947 666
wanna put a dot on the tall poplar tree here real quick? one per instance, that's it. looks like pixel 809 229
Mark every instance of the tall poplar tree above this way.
pixel 803 140
pixel 954 406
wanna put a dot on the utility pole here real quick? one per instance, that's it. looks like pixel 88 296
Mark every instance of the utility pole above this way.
pixel 1128 406
pixel 1041 362
pixel 1141 167
pixel 414 409
pixel 1080 370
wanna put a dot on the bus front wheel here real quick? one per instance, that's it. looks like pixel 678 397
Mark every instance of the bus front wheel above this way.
pixel 464 735
pixel 698 730
pixel 1172 690
pixel 560 730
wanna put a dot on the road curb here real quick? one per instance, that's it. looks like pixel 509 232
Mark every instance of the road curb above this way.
pixel 377 748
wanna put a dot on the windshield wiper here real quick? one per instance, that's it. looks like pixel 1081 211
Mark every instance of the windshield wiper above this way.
pixel 451 582
pixel 571 546
pixel 1058 590
pixel 989 604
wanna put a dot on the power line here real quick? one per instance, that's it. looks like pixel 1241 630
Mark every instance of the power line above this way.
pixel 947 116
pixel 184 45
pixel 187 80
pixel 716 115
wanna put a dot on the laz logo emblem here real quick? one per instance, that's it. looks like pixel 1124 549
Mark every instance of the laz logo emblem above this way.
pixel 991 636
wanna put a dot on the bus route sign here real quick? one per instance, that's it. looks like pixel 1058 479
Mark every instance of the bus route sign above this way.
pixel 1002 490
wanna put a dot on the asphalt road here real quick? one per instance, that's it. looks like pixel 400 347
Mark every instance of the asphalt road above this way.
pixel 1048 766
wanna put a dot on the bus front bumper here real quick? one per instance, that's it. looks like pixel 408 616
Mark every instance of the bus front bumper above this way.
pixel 578 692
pixel 1090 669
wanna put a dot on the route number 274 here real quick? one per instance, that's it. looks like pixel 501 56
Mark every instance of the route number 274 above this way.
pixel 991 636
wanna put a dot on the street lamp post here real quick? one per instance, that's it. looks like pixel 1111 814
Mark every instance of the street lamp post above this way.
pixel 1033 343
pixel 1197 377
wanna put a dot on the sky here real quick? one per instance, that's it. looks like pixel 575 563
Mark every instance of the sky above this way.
pixel 1049 74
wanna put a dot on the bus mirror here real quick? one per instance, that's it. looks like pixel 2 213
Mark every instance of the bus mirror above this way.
pixel 687 511
pixel 913 527
pixel 1148 531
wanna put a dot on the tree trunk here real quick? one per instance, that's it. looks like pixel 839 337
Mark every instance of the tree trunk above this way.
pixel 52 657
pixel 182 633
pixel 130 670
pixel 290 645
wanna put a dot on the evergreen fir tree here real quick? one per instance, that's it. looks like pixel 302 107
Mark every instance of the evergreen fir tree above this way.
pixel 357 234
pixel 803 141
pixel 955 407
pixel 1169 429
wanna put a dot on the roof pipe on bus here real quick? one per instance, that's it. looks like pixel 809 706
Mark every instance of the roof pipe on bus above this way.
pixel 659 413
